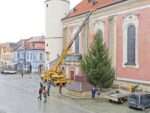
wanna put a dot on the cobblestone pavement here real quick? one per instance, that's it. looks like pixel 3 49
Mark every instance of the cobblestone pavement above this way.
pixel 19 95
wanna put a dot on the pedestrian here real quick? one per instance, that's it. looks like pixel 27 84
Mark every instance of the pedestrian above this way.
pixel 40 93
pixel 22 73
pixel 44 83
pixel 48 87
pixel 41 84
pixel 60 88
pixel 44 94
pixel 93 91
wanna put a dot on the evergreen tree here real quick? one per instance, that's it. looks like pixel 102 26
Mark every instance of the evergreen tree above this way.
pixel 97 65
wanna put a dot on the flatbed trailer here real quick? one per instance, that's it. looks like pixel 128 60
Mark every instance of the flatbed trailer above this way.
pixel 117 97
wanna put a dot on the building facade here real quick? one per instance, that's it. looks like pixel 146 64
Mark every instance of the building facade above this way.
pixel 30 54
pixel 7 55
pixel 126 29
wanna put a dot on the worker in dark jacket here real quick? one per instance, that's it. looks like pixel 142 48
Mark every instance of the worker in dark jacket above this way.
pixel 48 87
pixel 93 92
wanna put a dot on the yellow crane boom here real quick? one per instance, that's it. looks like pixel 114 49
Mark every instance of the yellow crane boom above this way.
pixel 55 73
pixel 66 49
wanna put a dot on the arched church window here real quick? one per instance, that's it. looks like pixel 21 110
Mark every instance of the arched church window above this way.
pixel 77 45
pixel 99 26
pixel 130 41
pixel 101 32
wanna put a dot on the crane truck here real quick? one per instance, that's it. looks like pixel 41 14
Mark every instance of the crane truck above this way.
pixel 55 73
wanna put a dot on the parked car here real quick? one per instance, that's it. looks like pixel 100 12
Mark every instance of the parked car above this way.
pixel 8 72
pixel 139 100
pixel 8 69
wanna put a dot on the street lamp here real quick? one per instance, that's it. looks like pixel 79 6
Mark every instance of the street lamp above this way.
pixel 24 63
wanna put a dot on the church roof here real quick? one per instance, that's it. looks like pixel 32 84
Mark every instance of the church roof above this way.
pixel 86 5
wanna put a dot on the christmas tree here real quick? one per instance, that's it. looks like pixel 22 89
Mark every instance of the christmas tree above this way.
pixel 97 64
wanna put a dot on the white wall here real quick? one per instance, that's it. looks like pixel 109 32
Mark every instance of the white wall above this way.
pixel 56 10
pixel 54 47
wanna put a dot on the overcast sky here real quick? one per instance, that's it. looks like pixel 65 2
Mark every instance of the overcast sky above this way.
pixel 22 18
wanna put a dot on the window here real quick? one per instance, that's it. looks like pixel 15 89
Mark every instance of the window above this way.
pixel 33 45
pixel 99 26
pixel 30 55
pixel 130 41
pixel 34 57
pixel 77 45
pixel 133 97
pixel 131 45
pixel 18 55
pixel 101 33
pixel 47 55
pixel 27 55
pixel 41 56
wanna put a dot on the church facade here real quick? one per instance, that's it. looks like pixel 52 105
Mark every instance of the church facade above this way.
pixel 126 30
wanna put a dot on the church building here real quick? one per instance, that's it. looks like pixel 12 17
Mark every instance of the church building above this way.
pixel 126 33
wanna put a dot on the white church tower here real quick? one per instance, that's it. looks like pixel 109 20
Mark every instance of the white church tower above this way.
pixel 55 11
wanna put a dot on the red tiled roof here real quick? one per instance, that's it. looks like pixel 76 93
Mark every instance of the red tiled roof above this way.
pixel 37 42
pixel 85 6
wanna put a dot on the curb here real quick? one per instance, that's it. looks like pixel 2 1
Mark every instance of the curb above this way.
pixel 77 98
pixel 84 98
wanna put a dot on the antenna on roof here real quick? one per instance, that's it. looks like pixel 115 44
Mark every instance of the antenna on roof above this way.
pixel 94 2
pixel 89 1
pixel 74 9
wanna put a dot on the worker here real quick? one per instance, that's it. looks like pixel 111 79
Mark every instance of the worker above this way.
pixel 60 88
pixel 48 87
pixel 93 92
pixel 22 73
pixel 45 94
pixel 40 93
pixel 41 84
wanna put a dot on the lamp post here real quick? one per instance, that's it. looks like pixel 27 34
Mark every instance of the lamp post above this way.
pixel 24 63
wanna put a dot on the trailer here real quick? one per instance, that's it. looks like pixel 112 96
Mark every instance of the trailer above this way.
pixel 117 96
